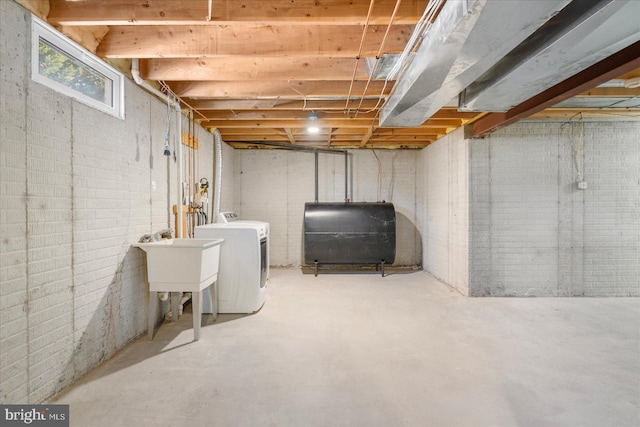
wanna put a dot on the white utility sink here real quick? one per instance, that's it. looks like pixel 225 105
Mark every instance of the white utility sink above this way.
pixel 181 265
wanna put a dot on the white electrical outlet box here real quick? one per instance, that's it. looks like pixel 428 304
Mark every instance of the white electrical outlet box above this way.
pixel 582 185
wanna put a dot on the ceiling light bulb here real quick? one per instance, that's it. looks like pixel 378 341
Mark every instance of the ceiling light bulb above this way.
pixel 313 127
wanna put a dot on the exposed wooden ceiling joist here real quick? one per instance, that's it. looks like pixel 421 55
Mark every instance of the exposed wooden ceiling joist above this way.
pixel 259 67
pixel 292 89
pixel 230 12
pixel 291 124
pixel 275 105
pixel 194 41
pixel 253 68
pixel 236 115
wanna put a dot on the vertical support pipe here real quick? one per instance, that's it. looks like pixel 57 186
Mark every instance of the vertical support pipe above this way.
pixel 346 177
pixel 217 137
pixel 179 187
pixel 316 177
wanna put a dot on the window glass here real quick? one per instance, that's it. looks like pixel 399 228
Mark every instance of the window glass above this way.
pixel 68 68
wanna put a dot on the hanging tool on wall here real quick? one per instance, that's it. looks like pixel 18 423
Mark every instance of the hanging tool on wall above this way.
pixel 167 150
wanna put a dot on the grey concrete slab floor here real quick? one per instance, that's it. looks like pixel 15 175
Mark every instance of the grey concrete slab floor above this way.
pixel 362 350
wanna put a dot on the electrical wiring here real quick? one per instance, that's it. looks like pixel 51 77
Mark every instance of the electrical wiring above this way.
pixel 378 55
pixel 378 195
pixel 304 97
pixel 355 68
pixel 577 144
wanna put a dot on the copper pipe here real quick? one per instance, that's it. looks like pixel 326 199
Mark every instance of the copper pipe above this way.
pixel 384 39
pixel 355 68
pixel 165 87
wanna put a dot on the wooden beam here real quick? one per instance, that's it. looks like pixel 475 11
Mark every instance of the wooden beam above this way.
pixel 194 41
pixel 450 123
pixel 382 132
pixel 280 115
pixel 296 89
pixel 277 124
pixel 406 139
pixel 250 68
pixel 245 131
pixel 225 12
pixel 453 113
pixel 574 114
pixel 290 136
pixel 401 144
pixel 610 92
pixel 609 68
pixel 366 137
pixel 204 105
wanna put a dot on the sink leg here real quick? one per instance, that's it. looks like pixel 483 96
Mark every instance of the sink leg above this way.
pixel 175 303
pixel 196 305
pixel 214 304
pixel 153 304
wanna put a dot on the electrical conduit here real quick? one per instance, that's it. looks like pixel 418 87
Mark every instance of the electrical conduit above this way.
pixel 135 73
pixel 217 138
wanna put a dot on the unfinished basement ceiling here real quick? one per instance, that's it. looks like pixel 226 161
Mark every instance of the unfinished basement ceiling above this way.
pixel 256 69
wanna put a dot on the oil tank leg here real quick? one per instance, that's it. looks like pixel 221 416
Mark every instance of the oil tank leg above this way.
pixel 315 266
pixel 382 267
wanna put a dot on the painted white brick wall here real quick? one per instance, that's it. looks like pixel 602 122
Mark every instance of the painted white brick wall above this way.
pixel 445 219
pixel 230 191
pixel 14 354
pixel 75 192
pixel 612 209
pixel 534 233
pixel 275 185
pixel 49 239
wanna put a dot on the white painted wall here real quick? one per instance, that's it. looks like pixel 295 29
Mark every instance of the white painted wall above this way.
pixel 502 216
pixel 445 215
pixel 276 184
pixel 75 192
pixel 534 233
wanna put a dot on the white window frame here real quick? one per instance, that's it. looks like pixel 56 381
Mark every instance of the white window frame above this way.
pixel 41 30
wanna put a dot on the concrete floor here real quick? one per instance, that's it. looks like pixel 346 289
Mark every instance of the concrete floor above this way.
pixel 361 350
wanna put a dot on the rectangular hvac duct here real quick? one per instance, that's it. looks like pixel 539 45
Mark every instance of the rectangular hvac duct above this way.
pixel 467 38
pixel 583 34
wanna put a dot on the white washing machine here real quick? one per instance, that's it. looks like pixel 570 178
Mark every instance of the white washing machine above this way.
pixel 244 262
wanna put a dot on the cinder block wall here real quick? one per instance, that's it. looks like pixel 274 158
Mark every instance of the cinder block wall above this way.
pixel 502 216
pixel 274 186
pixel 76 189
pixel 534 233
pixel 444 204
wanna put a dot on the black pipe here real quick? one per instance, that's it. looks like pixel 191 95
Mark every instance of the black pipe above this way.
pixel 346 176
pixel 290 146
pixel 316 177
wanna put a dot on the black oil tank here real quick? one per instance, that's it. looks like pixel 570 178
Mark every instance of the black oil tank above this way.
pixel 349 233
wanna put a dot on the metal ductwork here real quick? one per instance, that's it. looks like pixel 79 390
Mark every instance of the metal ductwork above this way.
pixel 581 35
pixel 467 38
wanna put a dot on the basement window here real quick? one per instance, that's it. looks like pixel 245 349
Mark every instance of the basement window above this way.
pixel 68 68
